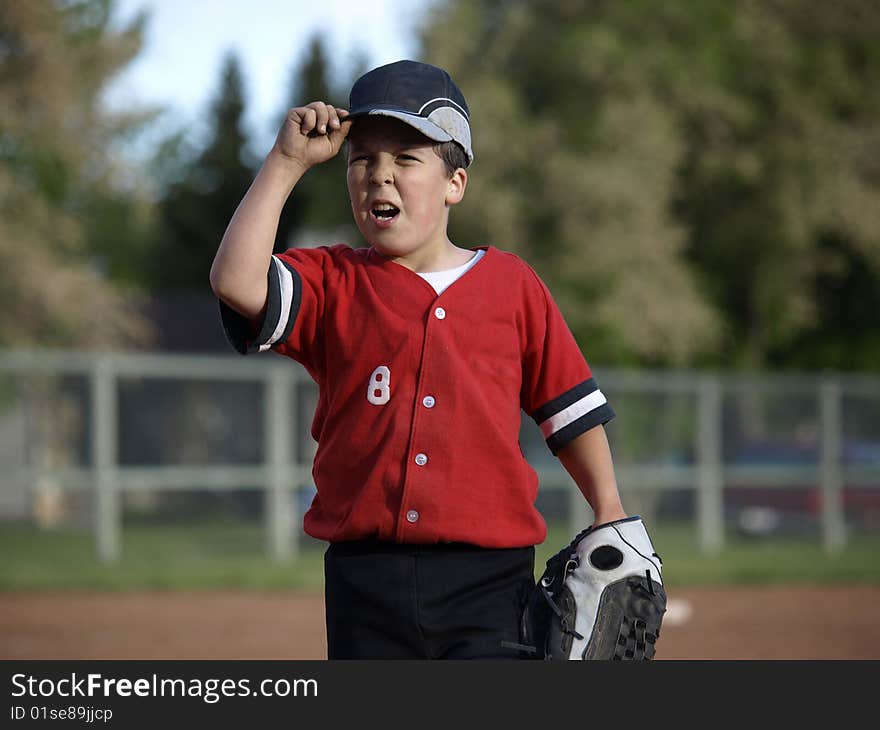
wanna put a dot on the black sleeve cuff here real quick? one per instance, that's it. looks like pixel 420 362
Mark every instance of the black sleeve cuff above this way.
pixel 282 305
pixel 574 412
pixel 564 436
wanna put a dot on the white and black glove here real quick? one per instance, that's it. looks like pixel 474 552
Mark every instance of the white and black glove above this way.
pixel 601 597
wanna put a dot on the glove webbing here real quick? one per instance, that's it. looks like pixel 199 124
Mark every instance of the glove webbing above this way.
pixel 633 641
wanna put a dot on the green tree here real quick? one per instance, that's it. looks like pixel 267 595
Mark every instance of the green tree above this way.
pixel 779 180
pixel 576 152
pixel 59 176
pixel 698 180
pixel 320 203
pixel 196 209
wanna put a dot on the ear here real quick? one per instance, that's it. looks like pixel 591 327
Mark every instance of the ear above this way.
pixel 455 188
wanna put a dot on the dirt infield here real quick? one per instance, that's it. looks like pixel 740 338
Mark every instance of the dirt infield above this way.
pixel 702 623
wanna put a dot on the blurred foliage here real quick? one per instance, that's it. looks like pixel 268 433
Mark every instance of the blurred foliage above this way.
pixel 698 181
pixel 196 208
pixel 321 204
pixel 64 212
pixel 203 187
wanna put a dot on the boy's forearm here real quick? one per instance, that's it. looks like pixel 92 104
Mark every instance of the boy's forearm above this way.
pixel 238 274
pixel 587 459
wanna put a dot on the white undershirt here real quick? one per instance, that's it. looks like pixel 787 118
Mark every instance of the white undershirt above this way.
pixel 440 280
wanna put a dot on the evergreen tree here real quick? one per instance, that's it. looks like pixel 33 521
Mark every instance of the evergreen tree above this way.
pixel 319 206
pixel 197 209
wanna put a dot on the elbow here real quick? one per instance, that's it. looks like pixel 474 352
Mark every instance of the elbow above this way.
pixel 222 284
pixel 224 291
pixel 216 280
pixel 249 301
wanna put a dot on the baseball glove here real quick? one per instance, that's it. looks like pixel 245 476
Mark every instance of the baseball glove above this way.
pixel 601 597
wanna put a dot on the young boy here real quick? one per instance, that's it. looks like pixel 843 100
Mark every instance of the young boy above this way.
pixel 424 353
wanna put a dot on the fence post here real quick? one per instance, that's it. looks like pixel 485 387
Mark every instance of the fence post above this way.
pixel 293 471
pixel 710 476
pixel 278 427
pixel 833 520
pixel 108 515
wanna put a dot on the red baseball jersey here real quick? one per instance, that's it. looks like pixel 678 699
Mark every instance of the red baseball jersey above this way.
pixel 420 395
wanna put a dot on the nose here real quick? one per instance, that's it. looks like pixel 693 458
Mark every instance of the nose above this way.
pixel 381 172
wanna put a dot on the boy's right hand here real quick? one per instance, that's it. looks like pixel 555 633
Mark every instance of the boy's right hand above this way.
pixel 312 134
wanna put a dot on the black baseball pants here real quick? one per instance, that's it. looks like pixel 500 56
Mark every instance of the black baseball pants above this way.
pixel 447 601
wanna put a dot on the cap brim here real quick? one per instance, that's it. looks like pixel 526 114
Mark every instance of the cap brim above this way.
pixel 425 126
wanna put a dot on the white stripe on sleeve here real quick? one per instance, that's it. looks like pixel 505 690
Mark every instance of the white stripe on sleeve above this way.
pixel 572 413
pixel 285 286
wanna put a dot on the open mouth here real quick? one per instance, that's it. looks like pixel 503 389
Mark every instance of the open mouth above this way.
pixel 384 213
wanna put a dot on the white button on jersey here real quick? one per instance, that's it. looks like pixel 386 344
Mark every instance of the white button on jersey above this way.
pixel 421 459
pixel 428 401
pixel 440 313
pixel 412 516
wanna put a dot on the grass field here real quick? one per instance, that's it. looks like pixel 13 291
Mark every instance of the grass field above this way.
pixel 232 556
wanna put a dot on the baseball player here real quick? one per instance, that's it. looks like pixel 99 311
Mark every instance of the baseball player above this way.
pixel 424 353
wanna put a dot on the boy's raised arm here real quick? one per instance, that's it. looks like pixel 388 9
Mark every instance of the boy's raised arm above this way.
pixel 310 135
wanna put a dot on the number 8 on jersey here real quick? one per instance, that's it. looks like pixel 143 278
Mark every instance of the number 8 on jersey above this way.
pixel 379 390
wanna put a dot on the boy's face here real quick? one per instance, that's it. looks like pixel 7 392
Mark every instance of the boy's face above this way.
pixel 399 187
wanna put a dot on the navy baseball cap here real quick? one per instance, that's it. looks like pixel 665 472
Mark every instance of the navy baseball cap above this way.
pixel 421 95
